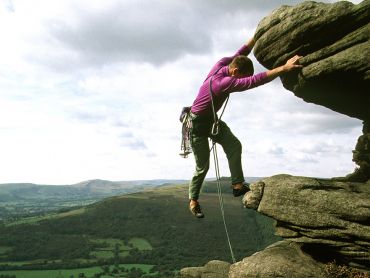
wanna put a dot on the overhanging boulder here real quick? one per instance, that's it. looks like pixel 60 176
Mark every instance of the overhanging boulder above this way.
pixel 335 42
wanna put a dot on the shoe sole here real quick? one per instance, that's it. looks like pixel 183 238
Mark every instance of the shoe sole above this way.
pixel 240 192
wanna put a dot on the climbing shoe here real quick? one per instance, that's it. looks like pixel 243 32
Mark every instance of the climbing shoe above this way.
pixel 196 211
pixel 241 191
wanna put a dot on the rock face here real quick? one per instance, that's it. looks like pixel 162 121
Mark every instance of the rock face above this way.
pixel 321 220
pixel 213 269
pixel 361 154
pixel 335 42
pixel 330 220
pixel 282 259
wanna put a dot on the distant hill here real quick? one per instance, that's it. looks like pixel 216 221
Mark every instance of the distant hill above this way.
pixel 15 191
pixel 20 199
pixel 159 216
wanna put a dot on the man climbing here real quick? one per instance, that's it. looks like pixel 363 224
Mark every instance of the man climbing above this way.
pixel 230 74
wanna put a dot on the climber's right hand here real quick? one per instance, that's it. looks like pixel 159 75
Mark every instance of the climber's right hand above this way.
pixel 292 63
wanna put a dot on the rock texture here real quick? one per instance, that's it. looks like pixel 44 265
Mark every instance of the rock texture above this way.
pixel 331 220
pixel 361 154
pixel 282 259
pixel 335 42
pixel 213 269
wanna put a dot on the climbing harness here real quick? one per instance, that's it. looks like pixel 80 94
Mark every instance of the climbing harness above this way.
pixel 214 132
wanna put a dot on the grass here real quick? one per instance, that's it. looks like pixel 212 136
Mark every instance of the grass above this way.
pixel 107 251
pixel 35 219
pixel 141 244
pixel 177 238
pixel 31 262
pixel 107 254
pixel 110 242
pixel 89 272
pixel 4 249
pixel 104 252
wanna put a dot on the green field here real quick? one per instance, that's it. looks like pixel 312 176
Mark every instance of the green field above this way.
pixel 67 273
pixel 109 245
pixel 32 262
pixel 4 249
pixel 105 251
pixel 35 219
pixel 153 227
pixel 141 244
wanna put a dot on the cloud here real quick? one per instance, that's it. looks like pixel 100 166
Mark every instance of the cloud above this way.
pixel 314 122
pixel 272 108
pixel 89 117
pixel 89 34
pixel 305 158
pixel 320 148
pixel 129 140
pixel 115 75
pixel 276 150
pixel 75 35
pixel 9 6
pixel 130 31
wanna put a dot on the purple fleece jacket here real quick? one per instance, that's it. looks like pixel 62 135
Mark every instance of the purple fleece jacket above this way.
pixel 223 84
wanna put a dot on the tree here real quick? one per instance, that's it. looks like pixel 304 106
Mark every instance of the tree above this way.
pixel 105 269
pixel 116 255
pixel 135 273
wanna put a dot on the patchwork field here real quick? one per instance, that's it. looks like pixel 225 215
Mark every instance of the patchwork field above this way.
pixel 67 273
pixel 152 228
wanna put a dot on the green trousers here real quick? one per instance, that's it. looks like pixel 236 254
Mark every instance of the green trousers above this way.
pixel 201 131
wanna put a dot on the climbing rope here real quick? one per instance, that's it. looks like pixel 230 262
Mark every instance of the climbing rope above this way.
pixel 215 130
pixel 220 198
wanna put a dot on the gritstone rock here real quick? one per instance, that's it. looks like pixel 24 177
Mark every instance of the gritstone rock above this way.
pixel 213 269
pixel 282 259
pixel 330 219
pixel 335 42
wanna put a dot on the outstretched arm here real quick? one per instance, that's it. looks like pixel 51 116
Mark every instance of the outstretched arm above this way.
pixel 246 48
pixel 250 43
pixel 291 64
pixel 249 82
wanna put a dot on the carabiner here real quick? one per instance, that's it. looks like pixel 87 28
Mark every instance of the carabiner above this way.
pixel 215 129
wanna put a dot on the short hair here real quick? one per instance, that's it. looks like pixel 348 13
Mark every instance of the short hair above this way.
pixel 243 64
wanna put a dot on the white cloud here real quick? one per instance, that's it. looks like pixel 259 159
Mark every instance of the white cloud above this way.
pixel 93 89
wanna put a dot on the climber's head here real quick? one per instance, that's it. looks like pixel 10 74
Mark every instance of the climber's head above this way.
pixel 241 66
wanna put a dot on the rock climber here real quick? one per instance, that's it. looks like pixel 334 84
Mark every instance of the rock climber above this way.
pixel 230 74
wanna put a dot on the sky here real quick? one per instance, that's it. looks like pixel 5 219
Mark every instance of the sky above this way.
pixel 93 90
